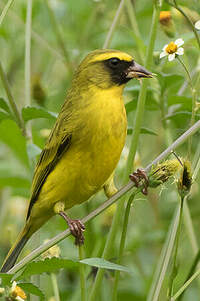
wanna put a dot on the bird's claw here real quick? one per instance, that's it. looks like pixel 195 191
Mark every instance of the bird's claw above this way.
pixel 137 177
pixel 77 228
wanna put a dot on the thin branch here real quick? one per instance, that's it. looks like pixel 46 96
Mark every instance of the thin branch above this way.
pixel 59 36
pixel 35 253
pixel 113 25
pixel 5 10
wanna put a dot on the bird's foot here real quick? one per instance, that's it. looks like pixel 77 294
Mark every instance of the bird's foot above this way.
pixel 137 177
pixel 76 228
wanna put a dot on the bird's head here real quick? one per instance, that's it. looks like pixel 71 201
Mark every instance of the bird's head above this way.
pixel 108 68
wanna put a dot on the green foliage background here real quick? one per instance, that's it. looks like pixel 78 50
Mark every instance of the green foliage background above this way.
pixel 83 27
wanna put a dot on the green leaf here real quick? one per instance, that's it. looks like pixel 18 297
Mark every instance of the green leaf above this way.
pixel 49 265
pixel 30 113
pixel 4 115
pixel 150 105
pixel 14 182
pixel 170 81
pixel 104 264
pixel 32 289
pixel 183 102
pixel 11 135
pixel 4 105
pixel 142 131
pixel 5 279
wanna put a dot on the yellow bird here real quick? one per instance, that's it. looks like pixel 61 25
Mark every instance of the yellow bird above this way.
pixel 84 146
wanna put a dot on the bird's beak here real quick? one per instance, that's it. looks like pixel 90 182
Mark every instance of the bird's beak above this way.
pixel 137 71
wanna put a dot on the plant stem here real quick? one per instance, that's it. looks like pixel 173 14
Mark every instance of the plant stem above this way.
pixel 55 287
pixel 113 25
pixel 5 10
pixel 35 253
pixel 142 97
pixel 59 37
pixel 187 18
pixel 27 78
pixel 122 245
pixel 173 272
pixel 180 291
pixel 194 100
pixel 11 100
pixel 82 274
pixel 135 29
pixel 166 251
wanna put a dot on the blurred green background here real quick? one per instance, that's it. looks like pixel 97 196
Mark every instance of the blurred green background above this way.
pixel 83 27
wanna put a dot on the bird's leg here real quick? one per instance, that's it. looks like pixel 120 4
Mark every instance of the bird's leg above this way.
pixel 139 175
pixel 75 225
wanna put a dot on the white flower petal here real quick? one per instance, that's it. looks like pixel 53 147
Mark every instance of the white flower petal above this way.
pixel 14 284
pixel 18 298
pixel 197 25
pixel 180 51
pixel 162 54
pixel 179 42
pixel 166 45
pixel 171 57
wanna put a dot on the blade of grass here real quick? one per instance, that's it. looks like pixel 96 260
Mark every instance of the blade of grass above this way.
pixel 82 274
pixel 55 286
pixel 113 25
pixel 5 10
pixel 59 38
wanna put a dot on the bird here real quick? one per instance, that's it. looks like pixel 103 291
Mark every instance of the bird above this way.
pixel 84 146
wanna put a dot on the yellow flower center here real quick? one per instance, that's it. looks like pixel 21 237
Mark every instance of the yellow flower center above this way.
pixel 18 292
pixel 171 48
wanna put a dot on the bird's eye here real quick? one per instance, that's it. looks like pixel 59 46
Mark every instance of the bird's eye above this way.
pixel 114 62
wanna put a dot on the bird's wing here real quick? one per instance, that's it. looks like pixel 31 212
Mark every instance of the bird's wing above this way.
pixel 58 143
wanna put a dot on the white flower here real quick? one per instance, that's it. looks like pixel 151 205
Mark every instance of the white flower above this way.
pixel 16 293
pixel 172 49
pixel 197 25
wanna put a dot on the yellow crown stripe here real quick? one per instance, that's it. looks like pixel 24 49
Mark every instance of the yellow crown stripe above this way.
pixel 108 55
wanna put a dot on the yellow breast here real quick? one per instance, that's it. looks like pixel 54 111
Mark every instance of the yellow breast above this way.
pixel 94 152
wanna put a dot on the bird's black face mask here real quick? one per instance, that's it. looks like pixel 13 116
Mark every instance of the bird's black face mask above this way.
pixel 122 71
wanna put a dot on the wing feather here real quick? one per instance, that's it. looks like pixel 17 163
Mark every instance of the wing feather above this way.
pixel 58 143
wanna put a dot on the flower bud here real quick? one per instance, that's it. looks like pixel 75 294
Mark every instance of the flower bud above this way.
pixel 167 23
pixel 185 180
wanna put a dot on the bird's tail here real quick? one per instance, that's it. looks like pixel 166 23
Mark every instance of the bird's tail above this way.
pixel 15 250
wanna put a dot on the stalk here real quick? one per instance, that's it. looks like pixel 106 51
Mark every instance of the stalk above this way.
pixel 82 274
pixel 5 10
pixel 55 287
pixel 113 25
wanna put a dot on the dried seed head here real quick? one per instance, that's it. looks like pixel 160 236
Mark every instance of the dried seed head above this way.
pixel 162 172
